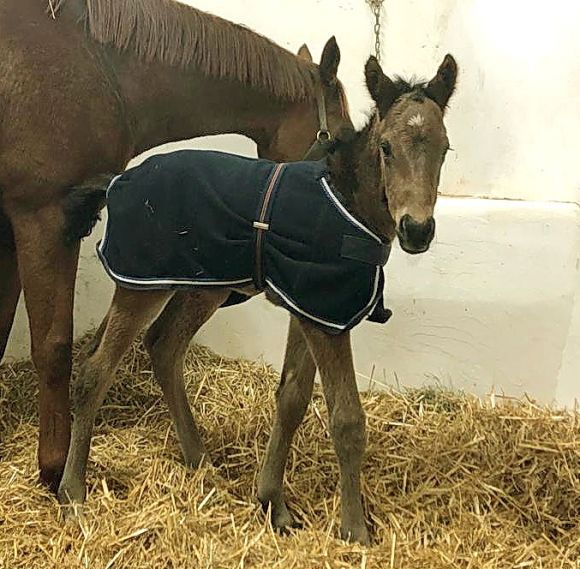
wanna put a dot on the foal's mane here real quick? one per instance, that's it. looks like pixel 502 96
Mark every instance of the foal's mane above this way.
pixel 414 86
pixel 179 35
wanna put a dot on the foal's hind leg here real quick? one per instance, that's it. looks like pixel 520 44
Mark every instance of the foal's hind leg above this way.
pixel 130 312
pixel 94 341
pixel 292 398
pixel 167 341
pixel 333 357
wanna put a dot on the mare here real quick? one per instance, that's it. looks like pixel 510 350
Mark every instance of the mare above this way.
pixel 85 86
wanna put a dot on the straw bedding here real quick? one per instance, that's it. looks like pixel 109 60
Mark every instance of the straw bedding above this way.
pixel 449 481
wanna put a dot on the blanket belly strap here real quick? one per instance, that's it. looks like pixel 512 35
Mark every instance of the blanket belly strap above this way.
pixel 261 225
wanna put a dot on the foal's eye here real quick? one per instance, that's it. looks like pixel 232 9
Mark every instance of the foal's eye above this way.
pixel 386 149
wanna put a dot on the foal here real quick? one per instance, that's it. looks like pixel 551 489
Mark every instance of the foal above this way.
pixel 387 178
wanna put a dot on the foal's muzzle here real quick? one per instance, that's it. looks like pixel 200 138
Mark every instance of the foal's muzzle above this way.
pixel 415 237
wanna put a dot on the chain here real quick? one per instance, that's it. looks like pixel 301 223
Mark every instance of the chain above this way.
pixel 377 8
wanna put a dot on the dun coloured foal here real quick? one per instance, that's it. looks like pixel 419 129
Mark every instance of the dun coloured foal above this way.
pixel 382 184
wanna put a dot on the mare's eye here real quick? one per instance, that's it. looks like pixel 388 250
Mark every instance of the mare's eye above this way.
pixel 387 149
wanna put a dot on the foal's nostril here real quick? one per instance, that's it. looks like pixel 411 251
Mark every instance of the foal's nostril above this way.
pixel 430 228
pixel 406 220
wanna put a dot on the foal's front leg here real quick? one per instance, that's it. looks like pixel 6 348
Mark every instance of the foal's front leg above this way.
pixel 130 312
pixel 292 398
pixel 333 356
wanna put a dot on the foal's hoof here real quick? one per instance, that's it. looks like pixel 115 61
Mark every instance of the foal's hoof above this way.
pixel 73 514
pixel 197 461
pixel 282 519
pixel 71 494
pixel 285 528
pixel 356 534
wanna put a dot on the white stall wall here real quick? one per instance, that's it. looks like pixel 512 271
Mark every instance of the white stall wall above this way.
pixel 489 309
pixel 495 305
pixel 514 122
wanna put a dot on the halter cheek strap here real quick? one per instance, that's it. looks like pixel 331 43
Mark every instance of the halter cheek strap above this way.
pixel 323 132
pixel 324 142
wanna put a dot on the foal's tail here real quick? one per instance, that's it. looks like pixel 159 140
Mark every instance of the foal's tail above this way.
pixel 83 205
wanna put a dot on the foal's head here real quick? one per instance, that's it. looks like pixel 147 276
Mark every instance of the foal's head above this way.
pixel 397 157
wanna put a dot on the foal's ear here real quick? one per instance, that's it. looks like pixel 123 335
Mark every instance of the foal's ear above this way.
pixel 329 62
pixel 382 90
pixel 304 53
pixel 441 87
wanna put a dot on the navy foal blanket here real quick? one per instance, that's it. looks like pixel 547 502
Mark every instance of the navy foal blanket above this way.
pixel 201 218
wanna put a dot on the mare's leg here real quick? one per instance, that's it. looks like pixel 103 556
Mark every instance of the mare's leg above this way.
pixel 333 357
pixel 130 312
pixel 292 398
pixel 9 281
pixel 167 341
pixel 47 268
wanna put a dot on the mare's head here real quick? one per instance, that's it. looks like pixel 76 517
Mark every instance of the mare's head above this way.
pixel 301 121
pixel 395 161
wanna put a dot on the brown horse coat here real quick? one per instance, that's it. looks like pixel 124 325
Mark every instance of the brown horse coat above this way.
pixel 85 85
